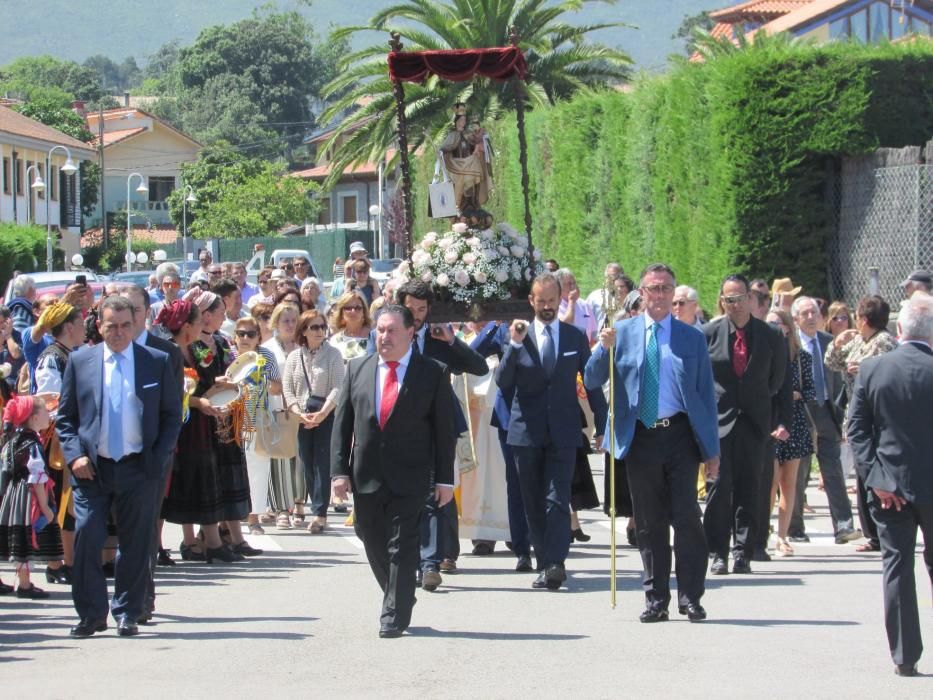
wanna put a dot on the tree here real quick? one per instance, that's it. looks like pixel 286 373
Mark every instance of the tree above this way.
pixel 32 75
pixel 115 77
pixel 687 30
pixel 560 58
pixel 239 196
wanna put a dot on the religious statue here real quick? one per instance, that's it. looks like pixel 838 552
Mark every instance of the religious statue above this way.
pixel 468 161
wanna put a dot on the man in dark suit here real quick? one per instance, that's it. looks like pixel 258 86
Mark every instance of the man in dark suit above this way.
pixel 393 438
pixel 889 430
pixel 139 298
pixel 827 411
pixel 440 531
pixel 118 421
pixel 493 340
pixel 665 425
pixel 539 368
pixel 749 360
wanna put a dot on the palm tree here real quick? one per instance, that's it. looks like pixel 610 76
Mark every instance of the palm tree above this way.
pixel 560 62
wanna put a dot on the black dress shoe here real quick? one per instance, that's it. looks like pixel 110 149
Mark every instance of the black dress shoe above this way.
pixel 86 628
pixel 719 567
pixel 60 575
pixel 905 670
pixel 33 592
pixel 760 555
pixel 145 618
pixel 483 548
pixel 126 627
pixel 741 566
pixel 389 632
pixel 694 612
pixel 246 550
pixel 554 576
pixel 189 553
pixel 541 581
pixel 165 559
pixel 654 613
pixel 524 564
pixel 5 588
pixel 579 535
pixel 222 553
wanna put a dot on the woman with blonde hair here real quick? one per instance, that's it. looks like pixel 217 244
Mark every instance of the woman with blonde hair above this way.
pixel 799 444
pixel 351 323
pixel 311 384
pixel 838 318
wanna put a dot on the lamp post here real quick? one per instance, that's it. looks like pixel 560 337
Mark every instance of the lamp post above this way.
pixel 374 212
pixel 142 189
pixel 189 197
pixel 68 168
pixel 77 260
pixel 37 185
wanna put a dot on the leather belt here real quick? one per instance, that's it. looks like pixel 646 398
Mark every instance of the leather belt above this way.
pixel 124 458
pixel 667 422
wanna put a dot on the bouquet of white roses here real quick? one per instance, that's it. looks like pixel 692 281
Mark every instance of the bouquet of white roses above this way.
pixel 473 266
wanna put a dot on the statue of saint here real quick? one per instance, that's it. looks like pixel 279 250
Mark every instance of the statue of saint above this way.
pixel 466 160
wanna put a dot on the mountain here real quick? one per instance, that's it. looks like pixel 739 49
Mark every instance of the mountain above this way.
pixel 121 28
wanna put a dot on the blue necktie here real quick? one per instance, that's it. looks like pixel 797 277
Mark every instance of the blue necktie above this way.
pixel 115 435
pixel 549 357
pixel 819 379
pixel 651 385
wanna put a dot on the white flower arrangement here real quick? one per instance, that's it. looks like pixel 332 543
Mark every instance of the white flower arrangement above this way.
pixel 473 266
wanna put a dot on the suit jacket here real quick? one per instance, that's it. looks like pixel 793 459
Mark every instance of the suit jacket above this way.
pixel 545 410
pixel 764 375
pixel 835 384
pixel 416 447
pixel 889 427
pixel 82 404
pixel 176 361
pixel 782 403
pixel 693 377
pixel 459 357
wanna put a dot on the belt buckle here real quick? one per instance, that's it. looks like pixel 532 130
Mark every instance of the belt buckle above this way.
pixel 663 423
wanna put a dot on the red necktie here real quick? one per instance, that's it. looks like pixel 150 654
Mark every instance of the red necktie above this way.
pixel 389 394
pixel 739 353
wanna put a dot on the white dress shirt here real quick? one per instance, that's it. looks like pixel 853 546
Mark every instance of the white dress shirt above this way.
pixel 131 408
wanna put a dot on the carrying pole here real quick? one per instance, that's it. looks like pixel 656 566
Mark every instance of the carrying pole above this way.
pixel 609 306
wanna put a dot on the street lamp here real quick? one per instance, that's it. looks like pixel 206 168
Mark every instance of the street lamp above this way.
pixel 184 226
pixel 142 189
pixel 142 258
pixel 68 168
pixel 159 255
pixel 37 185
pixel 77 260
pixel 374 212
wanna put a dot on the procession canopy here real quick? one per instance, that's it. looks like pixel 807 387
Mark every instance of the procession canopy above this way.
pixel 458 65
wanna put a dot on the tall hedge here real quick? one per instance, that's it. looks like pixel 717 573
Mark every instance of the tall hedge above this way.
pixel 713 167
pixel 21 248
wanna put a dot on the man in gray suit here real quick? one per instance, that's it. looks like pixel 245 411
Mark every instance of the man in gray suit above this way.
pixel 890 435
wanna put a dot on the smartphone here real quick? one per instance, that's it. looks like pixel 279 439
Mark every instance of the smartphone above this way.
pixel 81 279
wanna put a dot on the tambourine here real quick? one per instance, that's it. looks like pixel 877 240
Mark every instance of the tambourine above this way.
pixel 244 367
pixel 222 395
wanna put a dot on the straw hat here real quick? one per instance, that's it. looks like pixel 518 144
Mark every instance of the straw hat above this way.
pixel 783 285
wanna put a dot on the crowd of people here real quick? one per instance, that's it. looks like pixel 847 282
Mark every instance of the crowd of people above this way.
pixel 283 394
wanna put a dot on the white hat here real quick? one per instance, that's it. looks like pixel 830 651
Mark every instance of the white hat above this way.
pixel 199 276
pixel 357 247
pixel 278 274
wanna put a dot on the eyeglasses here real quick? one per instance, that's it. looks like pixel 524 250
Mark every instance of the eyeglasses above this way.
pixel 247 334
pixel 659 288
pixel 681 302
pixel 316 327
pixel 352 308
pixel 841 319
pixel 734 299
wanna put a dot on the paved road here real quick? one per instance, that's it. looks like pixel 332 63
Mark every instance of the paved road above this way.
pixel 304 618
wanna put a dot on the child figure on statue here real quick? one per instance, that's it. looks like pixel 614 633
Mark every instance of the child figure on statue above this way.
pixel 29 530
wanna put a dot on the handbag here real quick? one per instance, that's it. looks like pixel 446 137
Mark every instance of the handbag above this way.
pixel 276 434
pixel 441 200
pixel 314 403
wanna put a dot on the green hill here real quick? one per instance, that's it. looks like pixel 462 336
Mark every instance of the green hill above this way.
pixel 121 28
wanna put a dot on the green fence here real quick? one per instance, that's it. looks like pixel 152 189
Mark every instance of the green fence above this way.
pixel 324 247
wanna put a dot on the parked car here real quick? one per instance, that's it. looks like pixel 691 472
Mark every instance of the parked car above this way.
pixel 140 277
pixel 53 281
pixel 382 270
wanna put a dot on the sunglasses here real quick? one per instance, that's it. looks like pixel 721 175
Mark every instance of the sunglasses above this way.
pixel 841 319
pixel 265 317
pixel 680 302
pixel 735 299
pixel 171 285
pixel 316 327
pixel 247 334
pixel 352 308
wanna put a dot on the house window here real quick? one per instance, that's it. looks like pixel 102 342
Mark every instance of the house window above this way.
pixel 160 188
pixel 323 216
pixel 19 177
pixel 880 14
pixel 6 176
pixel 53 183
pixel 348 209
pixel 839 29
pixel 860 26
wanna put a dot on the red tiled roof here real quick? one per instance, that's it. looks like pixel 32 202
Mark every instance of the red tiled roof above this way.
pixel 758 9
pixel 112 137
pixel 161 234
pixel 320 172
pixel 12 122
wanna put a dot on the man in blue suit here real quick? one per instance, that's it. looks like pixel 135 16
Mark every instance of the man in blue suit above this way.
pixel 665 424
pixel 118 421
pixel 539 368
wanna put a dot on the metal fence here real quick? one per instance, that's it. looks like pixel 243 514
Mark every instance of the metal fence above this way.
pixel 884 223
